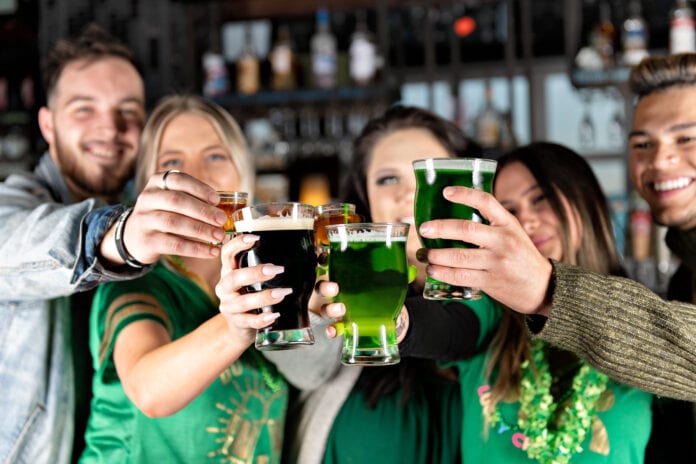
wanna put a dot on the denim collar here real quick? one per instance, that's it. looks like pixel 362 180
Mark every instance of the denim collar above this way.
pixel 49 174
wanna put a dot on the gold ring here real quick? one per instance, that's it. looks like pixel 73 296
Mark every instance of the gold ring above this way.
pixel 164 178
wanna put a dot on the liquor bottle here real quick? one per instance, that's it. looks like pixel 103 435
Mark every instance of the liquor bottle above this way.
pixel 363 52
pixel 323 49
pixel 488 123
pixel 248 81
pixel 634 35
pixel 682 34
pixel 603 36
pixel 215 70
pixel 283 61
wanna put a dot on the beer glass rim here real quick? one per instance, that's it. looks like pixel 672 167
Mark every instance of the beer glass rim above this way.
pixel 307 211
pixel 232 193
pixel 401 227
pixel 480 164
pixel 338 206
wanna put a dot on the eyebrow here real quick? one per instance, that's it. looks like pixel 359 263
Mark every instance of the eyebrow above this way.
pixel 674 128
pixel 87 98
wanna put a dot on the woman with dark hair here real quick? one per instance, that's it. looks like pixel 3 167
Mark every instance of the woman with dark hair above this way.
pixel 409 412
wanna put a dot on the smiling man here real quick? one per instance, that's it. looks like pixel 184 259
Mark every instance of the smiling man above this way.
pixel 62 233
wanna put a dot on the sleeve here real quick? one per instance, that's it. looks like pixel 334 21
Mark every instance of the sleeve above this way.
pixel 448 331
pixel 625 330
pixel 309 367
pixel 49 249
pixel 115 306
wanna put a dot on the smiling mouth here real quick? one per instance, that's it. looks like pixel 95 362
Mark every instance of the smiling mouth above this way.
pixel 671 184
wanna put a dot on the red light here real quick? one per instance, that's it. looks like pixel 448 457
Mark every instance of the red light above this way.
pixel 464 26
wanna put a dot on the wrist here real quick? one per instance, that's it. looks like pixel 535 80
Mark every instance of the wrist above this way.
pixel 121 249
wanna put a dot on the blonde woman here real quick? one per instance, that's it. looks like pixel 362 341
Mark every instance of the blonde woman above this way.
pixel 175 379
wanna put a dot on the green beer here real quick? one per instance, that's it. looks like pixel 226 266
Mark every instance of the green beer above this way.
pixel 432 176
pixel 368 261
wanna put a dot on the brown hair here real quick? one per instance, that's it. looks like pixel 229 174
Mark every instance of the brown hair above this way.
pixel 561 174
pixel 658 73
pixel 92 44
pixel 225 125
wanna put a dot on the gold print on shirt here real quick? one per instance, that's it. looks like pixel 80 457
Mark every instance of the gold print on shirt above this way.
pixel 246 418
pixel 600 437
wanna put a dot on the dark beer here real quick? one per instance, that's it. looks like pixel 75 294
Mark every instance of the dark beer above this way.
pixel 294 250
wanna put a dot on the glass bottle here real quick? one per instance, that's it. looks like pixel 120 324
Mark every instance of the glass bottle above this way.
pixel 323 50
pixel 363 52
pixel 682 35
pixel 488 122
pixel 634 35
pixel 283 61
pixel 248 81
pixel 603 36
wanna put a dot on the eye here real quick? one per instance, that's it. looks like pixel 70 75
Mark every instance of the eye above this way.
pixel 538 199
pixel 218 157
pixel 171 163
pixel 387 180
pixel 83 111
pixel 684 139
pixel 640 145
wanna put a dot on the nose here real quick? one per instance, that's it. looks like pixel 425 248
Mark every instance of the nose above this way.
pixel 110 123
pixel 665 154
pixel 528 219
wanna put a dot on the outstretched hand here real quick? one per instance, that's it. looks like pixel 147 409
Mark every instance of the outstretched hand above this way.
pixel 177 217
pixel 506 265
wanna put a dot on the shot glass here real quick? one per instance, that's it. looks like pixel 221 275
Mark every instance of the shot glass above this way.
pixel 432 176
pixel 286 232
pixel 368 261
pixel 229 203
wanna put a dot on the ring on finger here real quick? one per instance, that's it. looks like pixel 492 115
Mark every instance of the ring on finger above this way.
pixel 164 178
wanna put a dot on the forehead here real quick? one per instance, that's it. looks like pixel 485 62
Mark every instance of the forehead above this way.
pixel 406 145
pixel 108 79
pixel 666 108
pixel 514 176
pixel 189 128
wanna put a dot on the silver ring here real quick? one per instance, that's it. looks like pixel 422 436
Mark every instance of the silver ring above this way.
pixel 164 178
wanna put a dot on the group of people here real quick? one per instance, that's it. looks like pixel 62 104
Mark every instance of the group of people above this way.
pixel 126 336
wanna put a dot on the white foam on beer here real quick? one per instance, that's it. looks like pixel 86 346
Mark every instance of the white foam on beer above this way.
pixel 364 236
pixel 268 223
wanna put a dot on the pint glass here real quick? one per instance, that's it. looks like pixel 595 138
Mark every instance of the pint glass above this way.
pixel 287 239
pixel 368 262
pixel 432 176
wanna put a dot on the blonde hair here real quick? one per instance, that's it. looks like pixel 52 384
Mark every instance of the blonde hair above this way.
pixel 225 125
pixel 658 73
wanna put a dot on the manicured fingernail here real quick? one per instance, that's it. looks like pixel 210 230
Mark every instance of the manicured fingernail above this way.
pixel 422 255
pixel 278 292
pixel 250 238
pixel 448 191
pixel 332 287
pixel 425 228
pixel 268 317
pixel 214 199
pixel 270 270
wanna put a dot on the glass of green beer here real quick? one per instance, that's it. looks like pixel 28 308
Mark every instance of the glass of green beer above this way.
pixel 432 176
pixel 368 262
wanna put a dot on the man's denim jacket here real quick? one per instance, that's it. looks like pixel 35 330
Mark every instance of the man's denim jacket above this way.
pixel 48 250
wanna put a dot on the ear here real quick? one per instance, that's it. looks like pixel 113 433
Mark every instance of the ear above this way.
pixel 46 124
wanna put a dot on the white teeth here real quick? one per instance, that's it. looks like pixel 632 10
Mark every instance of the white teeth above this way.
pixel 672 184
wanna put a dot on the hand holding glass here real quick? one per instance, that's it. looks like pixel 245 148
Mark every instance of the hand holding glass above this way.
pixel 286 233
pixel 432 176
pixel 368 262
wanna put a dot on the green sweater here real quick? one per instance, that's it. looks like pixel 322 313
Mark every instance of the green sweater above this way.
pixel 624 329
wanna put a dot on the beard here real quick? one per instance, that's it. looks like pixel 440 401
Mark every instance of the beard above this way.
pixel 100 182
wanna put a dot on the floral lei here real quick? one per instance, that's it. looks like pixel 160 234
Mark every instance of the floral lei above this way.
pixel 537 407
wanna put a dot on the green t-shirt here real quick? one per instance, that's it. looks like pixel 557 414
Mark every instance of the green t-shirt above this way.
pixel 239 418
pixel 424 431
pixel 621 426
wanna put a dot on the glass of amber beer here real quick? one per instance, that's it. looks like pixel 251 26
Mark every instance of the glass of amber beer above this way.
pixel 287 239
pixel 333 213
pixel 432 176
pixel 368 262
pixel 229 203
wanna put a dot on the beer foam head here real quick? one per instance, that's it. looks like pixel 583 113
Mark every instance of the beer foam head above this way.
pixel 268 223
